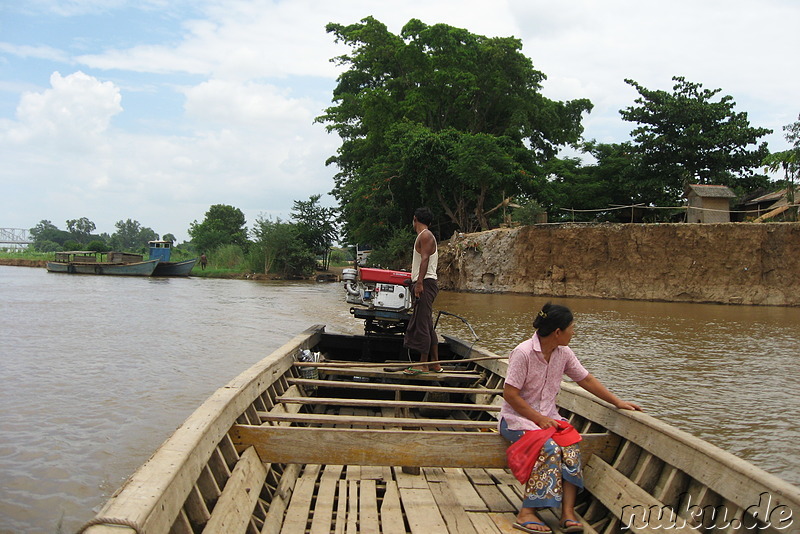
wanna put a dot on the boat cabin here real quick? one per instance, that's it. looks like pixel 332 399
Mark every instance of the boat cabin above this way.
pixel 160 250
pixel 124 257
pixel 82 256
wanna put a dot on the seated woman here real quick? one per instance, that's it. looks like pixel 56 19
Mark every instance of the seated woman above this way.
pixel 535 369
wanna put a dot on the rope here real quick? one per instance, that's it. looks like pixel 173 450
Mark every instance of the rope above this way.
pixel 612 208
pixel 111 522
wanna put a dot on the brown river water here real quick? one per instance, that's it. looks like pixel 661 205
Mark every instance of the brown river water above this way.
pixel 97 371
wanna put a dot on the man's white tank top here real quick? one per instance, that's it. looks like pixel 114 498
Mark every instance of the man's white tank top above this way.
pixel 433 261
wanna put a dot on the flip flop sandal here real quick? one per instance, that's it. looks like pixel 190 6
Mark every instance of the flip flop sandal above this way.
pixel 576 526
pixel 413 372
pixel 523 528
pixel 439 370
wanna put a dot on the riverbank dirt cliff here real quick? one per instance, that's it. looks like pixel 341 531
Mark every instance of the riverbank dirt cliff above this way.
pixel 736 263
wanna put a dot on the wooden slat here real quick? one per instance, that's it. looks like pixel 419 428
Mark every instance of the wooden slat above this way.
pixel 391 387
pixel 300 505
pixel 352 507
pixel 280 500
pixel 504 522
pixel 483 524
pixel 391 512
pixel 375 403
pixel 310 418
pixel 451 510
pixel 494 498
pixel 341 509
pixel 376 373
pixel 406 480
pixel 368 506
pixel 326 496
pixel 464 491
pixel 421 511
pixel 235 505
pixel 195 508
pixel 415 448
pixel 372 447
pixel 626 500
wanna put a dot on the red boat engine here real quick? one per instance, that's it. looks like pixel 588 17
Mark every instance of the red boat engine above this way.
pixel 383 297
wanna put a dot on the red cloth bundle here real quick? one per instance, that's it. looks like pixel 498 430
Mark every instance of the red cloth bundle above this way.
pixel 523 453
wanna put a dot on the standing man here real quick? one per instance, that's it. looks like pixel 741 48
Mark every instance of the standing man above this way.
pixel 420 335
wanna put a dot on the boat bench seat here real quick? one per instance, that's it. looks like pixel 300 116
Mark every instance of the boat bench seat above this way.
pixel 392 447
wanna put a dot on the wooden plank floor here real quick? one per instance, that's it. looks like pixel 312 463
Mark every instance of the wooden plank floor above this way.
pixel 380 499
pixel 350 499
pixel 353 499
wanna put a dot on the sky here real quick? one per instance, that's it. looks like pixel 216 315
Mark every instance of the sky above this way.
pixel 155 110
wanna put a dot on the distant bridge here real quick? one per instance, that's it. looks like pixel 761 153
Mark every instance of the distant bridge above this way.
pixel 14 238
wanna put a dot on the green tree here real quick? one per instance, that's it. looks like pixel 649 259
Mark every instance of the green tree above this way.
pixel 80 229
pixel 131 236
pixel 316 226
pixel 280 249
pixel 437 116
pixel 98 245
pixel 787 160
pixel 690 136
pixel 595 190
pixel 45 234
pixel 169 237
pixel 223 225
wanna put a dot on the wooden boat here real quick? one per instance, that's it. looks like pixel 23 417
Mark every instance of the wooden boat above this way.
pixel 162 251
pixel 175 268
pixel 90 262
pixel 346 444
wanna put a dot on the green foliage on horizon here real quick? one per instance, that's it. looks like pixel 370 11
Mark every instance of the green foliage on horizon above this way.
pixel 316 227
pixel 441 117
pixel 396 253
pixel 690 136
pixel 278 248
pixel 222 225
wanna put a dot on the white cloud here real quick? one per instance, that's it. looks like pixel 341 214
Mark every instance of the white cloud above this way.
pixel 35 52
pixel 252 146
pixel 74 112
pixel 262 106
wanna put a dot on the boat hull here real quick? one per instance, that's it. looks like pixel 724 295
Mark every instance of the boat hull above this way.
pixel 174 268
pixel 144 268
pixel 262 449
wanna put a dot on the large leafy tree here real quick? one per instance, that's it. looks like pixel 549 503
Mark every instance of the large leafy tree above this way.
pixel 47 237
pixel 280 249
pixel 595 191
pixel 81 229
pixel 316 226
pixel 437 116
pixel 131 235
pixel 223 225
pixel 787 160
pixel 692 136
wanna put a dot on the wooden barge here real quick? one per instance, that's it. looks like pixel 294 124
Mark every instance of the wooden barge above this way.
pixel 346 445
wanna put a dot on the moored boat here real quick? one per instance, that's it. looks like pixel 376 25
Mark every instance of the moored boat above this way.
pixel 162 251
pixel 90 262
pixel 345 443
